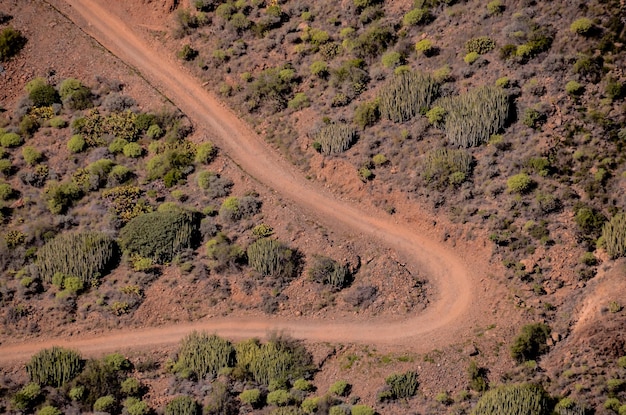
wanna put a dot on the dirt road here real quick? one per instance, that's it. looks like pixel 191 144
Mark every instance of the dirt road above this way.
pixel 450 314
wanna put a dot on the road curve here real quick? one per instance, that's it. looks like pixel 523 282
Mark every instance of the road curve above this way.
pixel 450 314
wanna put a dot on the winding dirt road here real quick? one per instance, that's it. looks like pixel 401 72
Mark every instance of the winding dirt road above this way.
pixel 449 317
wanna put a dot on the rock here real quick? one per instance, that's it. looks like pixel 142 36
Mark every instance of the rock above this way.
pixel 470 350
pixel 556 336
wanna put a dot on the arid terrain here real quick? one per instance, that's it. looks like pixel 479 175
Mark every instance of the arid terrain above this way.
pixel 444 291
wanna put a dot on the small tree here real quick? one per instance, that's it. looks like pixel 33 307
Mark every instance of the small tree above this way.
pixel 531 342
pixel 11 43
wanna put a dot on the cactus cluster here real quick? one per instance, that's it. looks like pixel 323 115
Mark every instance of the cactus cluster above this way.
pixel 402 385
pixel 278 360
pixel 54 367
pixel 614 235
pixel 204 355
pixel 514 400
pixel 406 95
pixel 472 118
pixel 271 257
pixel 159 235
pixel 86 255
pixel 334 138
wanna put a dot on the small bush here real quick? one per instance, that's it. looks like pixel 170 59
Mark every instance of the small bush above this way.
pixel 425 47
pixel 531 342
pixel 271 257
pixel 251 397
pixel 49 410
pixel 104 404
pixel 237 208
pixel 495 7
pixel 325 270
pixel 54 367
pixel 335 138
pixel 279 398
pixel 10 140
pixel 76 144
pixel 401 386
pixel 574 88
pixel 213 184
pixel 205 153
pixel 392 59
pixel 582 26
pixel 132 150
pixel 367 114
pixel 480 45
pixel 75 95
pixel 299 101
pixel 159 235
pixel 31 155
pixel 182 405
pixel 11 43
pixel 58 122
pixel 340 388
pixel 187 53
pixel 27 397
pixel 416 17
pixel 42 94
pixel 520 183
pixel 471 57
pixel 319 68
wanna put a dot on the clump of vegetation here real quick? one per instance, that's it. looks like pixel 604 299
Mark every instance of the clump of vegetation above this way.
pixel 75 95
pixel 10 140
pixel 614 236
pixel 531 342
pixel 11 43
pixel 472 118
pixel 159 235
pixel 54 367
pixel 425 47
pixel 326 270
pixel 418 16
pixel 235 208
pixel 41 93
pixel 201 355
pixel 271 257
pixel 444 167
pixel 334 138
pixel 574 88
pixel 583 26
pixel 480 45
pixel 86 255
pixel 406 95
pixel 182 405
pixel 399 386
pixel 514 400
pixel 520 183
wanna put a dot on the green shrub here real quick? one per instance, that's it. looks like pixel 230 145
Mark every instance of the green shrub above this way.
pixel 574 88
pixel 182 405
pixel 341 409
pixel 366 114
pixel 6 167
pixel 154 132
pixel 503 82
pixel 582 26
pixel 406 95
pixel 374 41
pixel 271 257
pixel 392 59
pixel 76 144
pixel 436 115
pixel 58 122
pixel 205 153
pixel 416 17
pixel 303 385
pixel 10 140
pixel 495 7
pixel 11 43
pixel 477 377
pixel 187 53
pixel 614 236
pixel 131 387
pixel 42 94
pixel 27 397
pixel 425 47
pixel 262 230
pixel 325 270
pixel 49 410
pixel 104 404
pixel 279 359
pixel 93 127
pixel 132 150
pixel 235 208
pixel 403 385
pixel 531 342
pixel 75 95
pixel 214 185
pixel 31 155
pixel 299 101
pixel 117 145
pixel 471 57
pixel 514 400
pixel 251 397
pixel 474 116
pixel 86 255
pixel 59 196
pixel 54 367
pixel 29 125
pixel 340 388
pixel 480 45
pixel 279 398
pixel 443 166
pixel 362 410
pixel 159 235
pixel 6 191
pixel 135 406
pixel 533 118
pixel 335 138
pixel 319 68
pixel 520 183
pixel 310 405
pixel 222 253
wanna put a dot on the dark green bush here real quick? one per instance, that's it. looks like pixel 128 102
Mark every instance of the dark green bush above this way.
pixel 522 399
pixel 326 270
pixel 159 235
pixel 86 255
pixel 374 41
pixel 531 342
pixel 27 398
pixel 11 43
pixel 589 220
pixel 366 114
pixel 102 378
pixel 54 367
pixel 187 53
pixel 335 138
pixel 75 95
pixel 182 405
pixel 614 235
pixel 406 95
pixel 43 94
pixel 271 257
pixel 201 355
